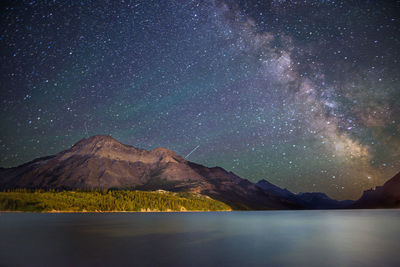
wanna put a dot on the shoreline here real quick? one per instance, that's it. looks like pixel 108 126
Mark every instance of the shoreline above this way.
pixel 116 211
pixel 184 211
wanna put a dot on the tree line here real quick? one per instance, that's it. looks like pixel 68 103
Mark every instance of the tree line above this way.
pixel 105 200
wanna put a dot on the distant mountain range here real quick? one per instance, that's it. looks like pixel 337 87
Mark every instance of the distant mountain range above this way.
pixel 314 200
pixel 102 162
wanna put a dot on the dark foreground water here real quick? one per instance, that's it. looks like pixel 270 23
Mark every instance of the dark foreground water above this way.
pixel 266 238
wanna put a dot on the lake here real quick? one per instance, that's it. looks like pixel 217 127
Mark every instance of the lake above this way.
pixel 255 238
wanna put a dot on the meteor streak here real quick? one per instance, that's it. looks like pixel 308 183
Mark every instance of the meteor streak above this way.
pixel 194 149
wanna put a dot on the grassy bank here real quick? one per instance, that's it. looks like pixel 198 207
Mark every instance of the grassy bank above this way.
pixel 105 201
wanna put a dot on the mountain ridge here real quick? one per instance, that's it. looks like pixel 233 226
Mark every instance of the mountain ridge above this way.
pixel 103 162
pixel 309 200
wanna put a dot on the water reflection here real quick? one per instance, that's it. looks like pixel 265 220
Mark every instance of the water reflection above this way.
pixel 274 238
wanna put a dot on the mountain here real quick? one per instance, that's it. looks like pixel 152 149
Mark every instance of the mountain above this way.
pixel 313 200
pixel 273 189
pixel 386 196
pixel 317 200
pixel 102 162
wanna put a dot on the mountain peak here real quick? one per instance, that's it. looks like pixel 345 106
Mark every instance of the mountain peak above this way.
pixel 267 186
pixel 105 146
pixel 95 139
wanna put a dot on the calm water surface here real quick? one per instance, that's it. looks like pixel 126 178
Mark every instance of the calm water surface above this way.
pixel 264 238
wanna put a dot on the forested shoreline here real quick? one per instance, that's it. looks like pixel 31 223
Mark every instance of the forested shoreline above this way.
pixel 26 200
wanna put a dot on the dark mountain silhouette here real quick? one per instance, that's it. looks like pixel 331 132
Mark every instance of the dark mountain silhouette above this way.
pixel 317 200
pixel 273 189
pixel 386 196
pixel 103 162
pixel 313 200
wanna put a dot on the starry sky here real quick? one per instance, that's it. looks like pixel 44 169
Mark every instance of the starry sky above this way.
pixel 304 94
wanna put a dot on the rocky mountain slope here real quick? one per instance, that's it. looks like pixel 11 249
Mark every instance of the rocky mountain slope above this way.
pixel 103 162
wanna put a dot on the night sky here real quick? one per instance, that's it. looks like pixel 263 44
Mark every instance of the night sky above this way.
pixel 304 94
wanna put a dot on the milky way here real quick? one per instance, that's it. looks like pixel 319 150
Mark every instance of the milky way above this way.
pixel 301 93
